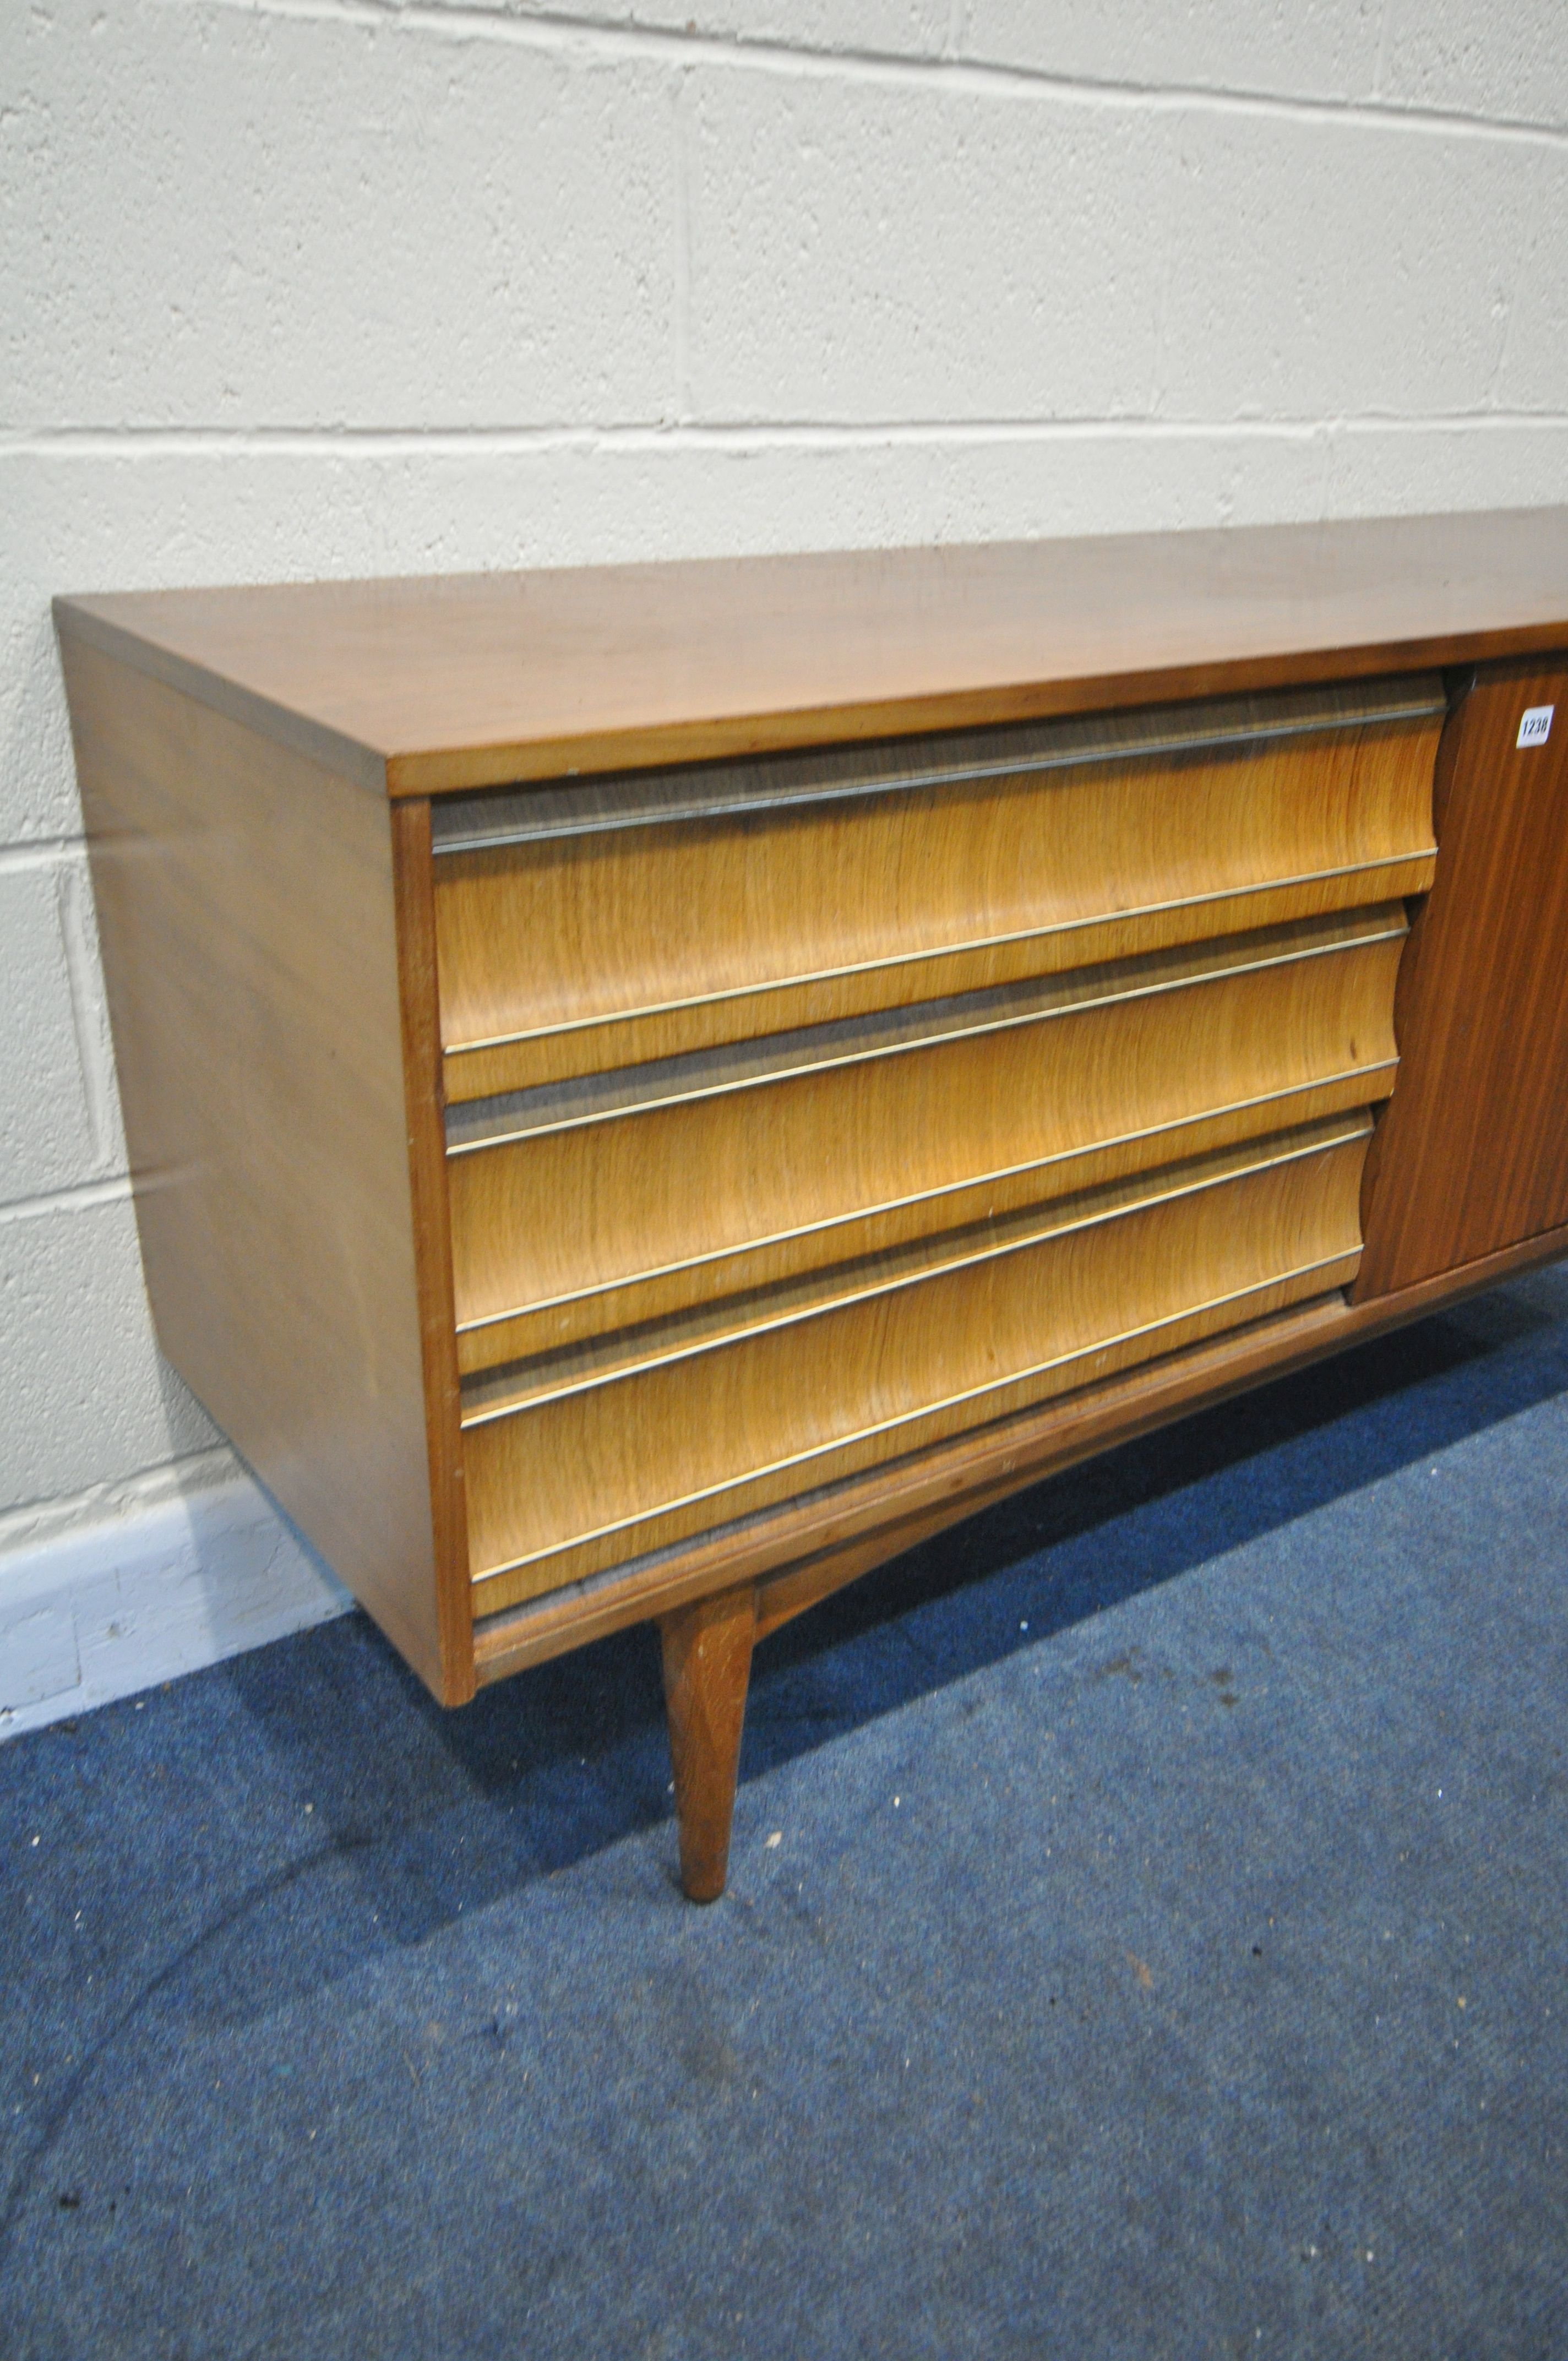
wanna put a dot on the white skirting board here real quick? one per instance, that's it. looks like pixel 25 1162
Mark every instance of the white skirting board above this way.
pixel 193 1565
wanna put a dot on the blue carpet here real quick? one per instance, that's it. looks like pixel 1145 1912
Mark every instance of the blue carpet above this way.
pixel 1146 1935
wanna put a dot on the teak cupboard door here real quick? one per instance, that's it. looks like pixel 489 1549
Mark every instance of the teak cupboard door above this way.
pixel 1472 1154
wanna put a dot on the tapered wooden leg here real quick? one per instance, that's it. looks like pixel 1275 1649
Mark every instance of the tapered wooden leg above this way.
pixel 708 1664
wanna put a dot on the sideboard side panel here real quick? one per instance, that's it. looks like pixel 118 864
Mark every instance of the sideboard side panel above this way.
pixel 246 909
pixel 1472 1154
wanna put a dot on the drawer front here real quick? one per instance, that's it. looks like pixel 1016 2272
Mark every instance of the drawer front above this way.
pixel 601 1462
pixel 584 930
pixel 806 1113
pixel 648 1197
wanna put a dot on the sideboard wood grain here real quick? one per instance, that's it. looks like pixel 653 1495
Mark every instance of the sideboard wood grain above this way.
pixel 652 1090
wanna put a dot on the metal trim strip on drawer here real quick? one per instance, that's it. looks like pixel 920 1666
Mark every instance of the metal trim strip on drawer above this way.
pixel 604 1019
pixel 910 1418
pixel 1377 1076
pixel 501 816
pixel 1118 1202
pixel 474 1125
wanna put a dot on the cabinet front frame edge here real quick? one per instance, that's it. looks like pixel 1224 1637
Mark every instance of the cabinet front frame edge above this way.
pixel 633 746
pixel 415 891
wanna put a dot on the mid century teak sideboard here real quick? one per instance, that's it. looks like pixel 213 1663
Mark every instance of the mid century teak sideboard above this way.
pixel 650 1090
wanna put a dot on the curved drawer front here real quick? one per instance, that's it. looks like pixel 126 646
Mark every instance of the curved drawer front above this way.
pixel 651 1192
pixel 585 929
pixel 594 1458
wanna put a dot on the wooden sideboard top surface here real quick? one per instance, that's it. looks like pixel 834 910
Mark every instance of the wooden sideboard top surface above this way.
pixel 424 686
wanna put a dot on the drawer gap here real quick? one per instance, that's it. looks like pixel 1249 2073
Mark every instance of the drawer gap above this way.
pixel 1400 873
pixel 1361 1086
pixel 507 816
pixel 479 1123
pixel 1329 1269
pixel 524 1385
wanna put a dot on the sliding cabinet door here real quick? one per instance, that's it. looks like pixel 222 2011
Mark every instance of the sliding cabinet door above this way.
pixel 1472 1152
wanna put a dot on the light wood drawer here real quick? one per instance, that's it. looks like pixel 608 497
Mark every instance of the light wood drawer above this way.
pixel 589 927
pixel 644 1193
pixel 642 1440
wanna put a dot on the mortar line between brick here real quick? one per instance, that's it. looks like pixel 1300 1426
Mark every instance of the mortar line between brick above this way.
pixel 41 852
pixel 553 30
pixel 751 435
pixel 680 130
pixel 80 1199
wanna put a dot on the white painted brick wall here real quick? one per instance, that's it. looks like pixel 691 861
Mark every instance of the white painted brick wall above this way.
pixel 298 290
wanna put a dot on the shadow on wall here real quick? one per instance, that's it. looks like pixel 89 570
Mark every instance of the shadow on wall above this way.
pixel 437 1813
